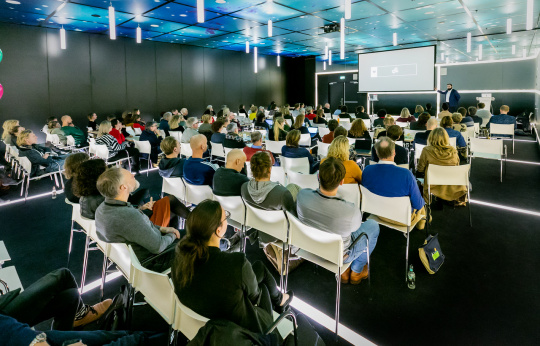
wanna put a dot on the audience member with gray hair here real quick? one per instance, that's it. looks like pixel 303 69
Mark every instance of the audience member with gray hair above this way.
pixel 191 129
pixel 232 139
pixel 184 112
pixel 164 123
pixel 256 146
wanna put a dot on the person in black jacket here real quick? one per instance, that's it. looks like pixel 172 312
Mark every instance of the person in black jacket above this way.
pixel 38 155
pixel 228 180
pixel 232 139
pixel 394 132
pixel 71 165
pixel 152 135
pixel 360 113
pixel 172 165
pixel 220 285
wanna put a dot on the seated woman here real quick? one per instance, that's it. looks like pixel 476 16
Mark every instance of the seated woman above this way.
pixel 286 112
pixel 174 124
pixel 278 132
pixel 387 122
pixel 359 130
pixel 205 126
pixel 172 165
pixel 55 128
pixel 379 122
pixel 292 150
pixel 7 126
pixel 405 116
pixel 420 125
pixel 340 150
pixel 418 110
pixel 439 152
pixel 218 127
pixel 319 118
pixel 456 118
pixel 260 121
pixel 152 135
pixel 15 131
pixel 252 113
pixel 38 155
pixel 116 151
pixel 70 168
pixel 247 293
pixel 85 188
pixel 137 121
pixel 447 124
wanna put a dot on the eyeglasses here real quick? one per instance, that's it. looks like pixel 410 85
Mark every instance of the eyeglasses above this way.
pixel 227 216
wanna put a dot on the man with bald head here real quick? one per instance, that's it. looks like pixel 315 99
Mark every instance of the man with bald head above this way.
pixel 421 137
pixel 71 130
pixel 198 171
pixel 228 180
pixel 388 180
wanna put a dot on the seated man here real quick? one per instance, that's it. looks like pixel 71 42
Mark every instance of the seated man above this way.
pixel 322 209
pixel 232 139
pixel 228 180
pixel 421 137
pixel 217 127
pixel 445 111
pixel 483 113
pixel 71 130
pixel 447 124
pixel 197 171
pixel 329 137
pixel 191 130
pixel 502 118
pixel 256 146
pixel 172 165
pixel 402 156
pixel 117 221
pixel 465 119
pixel 387 180
pixel 388 121
pixel 474 117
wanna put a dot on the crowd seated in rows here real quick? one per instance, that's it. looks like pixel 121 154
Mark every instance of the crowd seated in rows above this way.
pixel 387 122
pixel 422 137
pixel 502 118
pixel 232 139
pixel 256 146
pixel 447 124
pixel 359 130
pixel 420 124
pixel 465 118
pixel 192 125
pixel 38 155
pixel 418 110
pixel 458 126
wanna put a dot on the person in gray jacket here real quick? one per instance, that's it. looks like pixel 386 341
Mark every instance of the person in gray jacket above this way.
pixel 117 221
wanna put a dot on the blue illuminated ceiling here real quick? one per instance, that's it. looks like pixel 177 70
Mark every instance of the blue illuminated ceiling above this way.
pixel 297 24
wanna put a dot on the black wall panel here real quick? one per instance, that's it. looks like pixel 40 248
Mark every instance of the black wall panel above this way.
pixel 70 91
pixel 213 79
pixel 169 76
pixel 193 80
pixel 248 79
pixel 141 76
pixel 232 89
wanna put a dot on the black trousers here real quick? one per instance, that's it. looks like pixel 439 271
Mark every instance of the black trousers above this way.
pixel 55 295
pixel 270 295
pixel 132 153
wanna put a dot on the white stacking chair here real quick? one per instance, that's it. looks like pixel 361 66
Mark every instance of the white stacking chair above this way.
pixel 248 169
pixel 195 194
pixel 89 226
pixel 477 128
pixel 289 122
pixel 346 124
pixel 177 135
pixel 26 166
pixel 402 124
pixel 323 131
pixel 452 141
pixel 145 147
pixel 263 132
pixel 81 221
pixel 305 140
pixel 489 149
pixel 130 130
pixel 277 174
pixel 102 152
pixel 162 133
pixel 325 249
pixel 344 120
pixel 470 133
pixel 495 130
pixel 350 193
pixel 394 208
pixel 275 146
pixel 137 131
pixel 185 150
pixel 155 287
pixel 449 176
pixel 186 321
pixel 70 141
pixel 175 187
pixel 305 181
pixel 322 150
pixel 227 151
pixel 45 129
pixel 300 165
pixel 327 115
pixel 235 206
pixel 217 150
pixel 418 148
pixel 367 122
pixel 322 125
pixel 352 141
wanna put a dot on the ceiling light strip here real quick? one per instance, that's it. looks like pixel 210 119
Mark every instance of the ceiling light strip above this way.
pixel 139 35
pixel 62 38
pixel 200 11
pixel 529 25
pixel 112 23
pixel 348 9
pixel 342 39
pixel 477 25
pixel 255 62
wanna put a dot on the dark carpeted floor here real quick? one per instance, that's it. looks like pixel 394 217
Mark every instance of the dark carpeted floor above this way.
pixel 485 293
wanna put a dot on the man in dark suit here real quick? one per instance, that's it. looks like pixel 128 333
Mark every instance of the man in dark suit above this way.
pixel 451 97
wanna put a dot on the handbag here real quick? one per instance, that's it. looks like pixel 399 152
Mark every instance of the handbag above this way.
pixel 431 254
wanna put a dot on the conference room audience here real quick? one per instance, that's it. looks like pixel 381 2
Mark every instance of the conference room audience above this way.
pixel 324 210
pixel 191 129
pixel 136 121
pixel 71 130
pixel 291 149
pixel 476 119
pixel 447 124
pixel 458 126
pixel 210 110
pixel 71 164
pixel 361 114
pixel 440 152
pixel 117 151
pixel 379 122
pixel 247 294
pixel 218 127
pixel 429 109
pixel 319 118
pixel 422 137
pixel 387 122
pixel 164 123
pixel 465 118
pixel 116 131
pixel 339 149
pixel 502 118
pixel 388 180
pixel 85 186
pixel 198 171
pixel 152 135
pixel 278 131
pixel 38 155
pixel 228 180
pixel 256 146
pixel 405 116
pixel 174 124
pixel 444 111
pixel 232 139
pixel 420 124
pixel 395 133
pixel 418 110
pixel 299 125
pixel 206 126
pixel 92 121
pixel 359 130
pixel 172 165
pixel 329 137
pixel 483 113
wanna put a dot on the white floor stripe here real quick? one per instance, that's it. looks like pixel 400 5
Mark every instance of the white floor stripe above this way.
pixel 525 162
pixel 58 192
pixel 97 283
pixel 505 207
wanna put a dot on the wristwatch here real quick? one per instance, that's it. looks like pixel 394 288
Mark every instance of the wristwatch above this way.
pixel 39 338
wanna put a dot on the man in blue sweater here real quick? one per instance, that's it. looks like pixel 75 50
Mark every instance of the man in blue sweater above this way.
pixel 198 171
pixel 388 180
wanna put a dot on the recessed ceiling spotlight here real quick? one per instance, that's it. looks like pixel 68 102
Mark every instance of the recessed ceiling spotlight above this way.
pixel 220 1
pixel 13 2
pixel 183 15
pixel 155 25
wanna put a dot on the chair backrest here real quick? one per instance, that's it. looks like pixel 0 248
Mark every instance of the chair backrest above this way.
pixel 195 194
pixel 393 208
pixel 322 149
pixel 305 181
pixel 271 222
pixel 471 132
pixel 344 120
pixel 305 140
pixel 289 122
pixel 144 146
pixel 402 124
pixel 477 128
pixel 137 131
pixel 70 141
pixel 319 125
pixel 235 205
pixel 501 129
pixel 187 321
pixel 327 115
pixel 130 130
pixel 162 133
pixel 352 141
pixel 367 122
pixel 275 146
pixel 323 131
pixel 185 149
pixel 487 148
pixel 45 129
pixel 175 187
pixel 217 149
pixel 453 141
pixel 155 287
pixel 448 175
pixel 326 245
pixel 101 151
pixel 54 139
pixel 400 143
pixel 248 169
pixel 346 124
pixel 227 151
pixel 278 175
pixel 300 165
pixel 350 193
pixel 25 164
pixel 418 150
pixel 177 135
pixel 404 165
pixel 119 254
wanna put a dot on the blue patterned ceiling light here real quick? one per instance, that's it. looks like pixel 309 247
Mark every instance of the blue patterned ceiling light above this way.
pixel 297 24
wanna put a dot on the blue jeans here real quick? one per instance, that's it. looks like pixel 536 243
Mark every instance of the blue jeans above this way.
pixel 358 254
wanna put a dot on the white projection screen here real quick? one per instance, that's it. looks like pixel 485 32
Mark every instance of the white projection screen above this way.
pixel 397 70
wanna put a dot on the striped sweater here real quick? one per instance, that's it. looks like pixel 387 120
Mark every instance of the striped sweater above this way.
pixel 111 143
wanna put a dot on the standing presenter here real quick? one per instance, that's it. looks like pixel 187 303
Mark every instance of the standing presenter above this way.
pixel 452 97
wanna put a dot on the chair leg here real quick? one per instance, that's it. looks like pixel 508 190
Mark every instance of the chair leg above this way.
pixel 407 255
pixel 501 169
pixel 287 268
pixel 103 274
pixel 70 243
pixel 22 186
pixel 148 170
pixel 61 180
pixel 469 202
pixel 27 187
pixel 85 262
pixel 338 298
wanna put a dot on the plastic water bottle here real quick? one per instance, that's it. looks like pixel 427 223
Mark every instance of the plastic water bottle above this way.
pixel 411 278
pixel 54 192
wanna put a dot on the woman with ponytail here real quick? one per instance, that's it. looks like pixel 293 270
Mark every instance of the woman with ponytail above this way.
pixel 221 285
